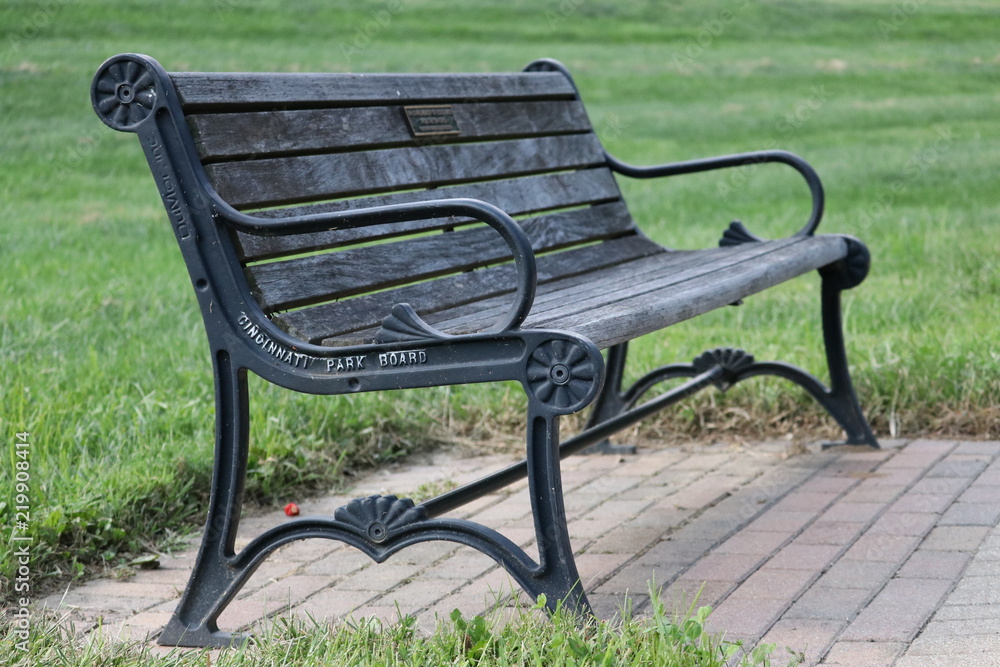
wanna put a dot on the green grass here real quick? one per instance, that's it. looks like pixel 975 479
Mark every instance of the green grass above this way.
pixel 103 355
pixel 664 639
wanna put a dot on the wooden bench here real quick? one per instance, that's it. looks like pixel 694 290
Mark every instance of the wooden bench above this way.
pixel 350 233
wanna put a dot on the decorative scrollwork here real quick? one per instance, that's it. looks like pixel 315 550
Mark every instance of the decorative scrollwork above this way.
pixel 124 94
pixel 732 361
pixel 737 234
pixel 379 516
pixel 562 375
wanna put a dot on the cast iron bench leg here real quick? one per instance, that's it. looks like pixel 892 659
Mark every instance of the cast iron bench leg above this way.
pixel 842 401
pixel 214 582
pixel 557 576
pixel 611 401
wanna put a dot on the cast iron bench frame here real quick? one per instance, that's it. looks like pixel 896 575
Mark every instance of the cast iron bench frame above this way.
pixel 186 123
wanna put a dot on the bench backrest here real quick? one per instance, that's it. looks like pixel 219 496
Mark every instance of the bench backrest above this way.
pixel 287 144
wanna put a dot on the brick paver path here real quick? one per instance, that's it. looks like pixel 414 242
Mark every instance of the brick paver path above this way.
pixel 887 557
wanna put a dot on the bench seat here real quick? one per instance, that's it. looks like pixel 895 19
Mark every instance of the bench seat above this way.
pixel 607 304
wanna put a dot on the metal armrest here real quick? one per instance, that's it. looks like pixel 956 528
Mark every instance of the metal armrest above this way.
pixel 737 160
pixel 509 230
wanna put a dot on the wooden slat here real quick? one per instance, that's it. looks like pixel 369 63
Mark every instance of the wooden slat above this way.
pixel 576 267
pixel 618 321
pixel 515 196
pixel 630 276
pixel 332 323
pixel 216 90
pixel 258 134
pixel 622 302
pixel 302 281
pixel 298 179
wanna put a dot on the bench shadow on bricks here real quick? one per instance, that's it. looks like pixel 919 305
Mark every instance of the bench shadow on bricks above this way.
pixel 351 233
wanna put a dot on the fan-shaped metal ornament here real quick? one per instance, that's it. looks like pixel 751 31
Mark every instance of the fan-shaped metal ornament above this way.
pixel 733 361
pixel 124 94
pixel 378 517
pixel 737 234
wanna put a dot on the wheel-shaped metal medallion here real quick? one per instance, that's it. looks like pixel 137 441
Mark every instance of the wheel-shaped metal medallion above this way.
pixel 562 375
pixel 124 93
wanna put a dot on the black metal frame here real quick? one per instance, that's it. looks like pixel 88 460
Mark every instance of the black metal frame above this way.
pixel 561 372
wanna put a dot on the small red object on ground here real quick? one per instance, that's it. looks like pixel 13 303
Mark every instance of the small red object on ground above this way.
pixel 291 509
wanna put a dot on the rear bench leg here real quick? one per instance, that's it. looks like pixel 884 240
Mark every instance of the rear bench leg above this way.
pixel 839 399
pixel 842 401
pixel 611 402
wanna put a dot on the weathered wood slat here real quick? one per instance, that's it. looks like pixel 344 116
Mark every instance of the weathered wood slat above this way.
pixel 632 316
pixel 623 281
pixel 302 281
pixel 215 90
pixel 298 179
pixel 629 275
pixel 332 323
pixel 622 302
pixel 259 134
pixel 564 272
pixel 516 196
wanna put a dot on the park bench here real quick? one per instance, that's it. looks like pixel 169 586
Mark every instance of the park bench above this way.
pixel 351 233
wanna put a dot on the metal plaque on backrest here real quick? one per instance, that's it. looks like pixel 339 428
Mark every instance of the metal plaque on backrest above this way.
pixel 428 120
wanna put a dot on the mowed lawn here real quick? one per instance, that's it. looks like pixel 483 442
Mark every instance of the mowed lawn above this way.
pixel 104 362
